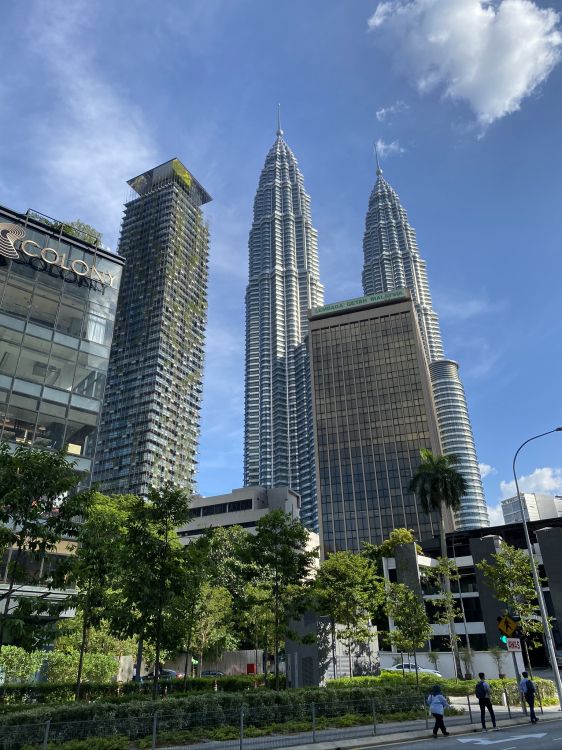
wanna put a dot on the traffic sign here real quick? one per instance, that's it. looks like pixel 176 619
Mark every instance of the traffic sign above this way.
pixel 507 626
pixel 514 644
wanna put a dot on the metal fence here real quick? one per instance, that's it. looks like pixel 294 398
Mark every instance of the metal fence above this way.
pixel 258 727
pixel 245 728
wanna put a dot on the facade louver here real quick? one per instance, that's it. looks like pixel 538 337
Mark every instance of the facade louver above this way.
pixel 392 261
pixel 283 284
pixel 151 413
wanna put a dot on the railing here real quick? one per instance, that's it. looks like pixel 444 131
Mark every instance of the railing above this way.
pixel 247 727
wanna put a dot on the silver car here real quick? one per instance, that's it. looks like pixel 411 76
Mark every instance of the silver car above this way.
pixel 411 667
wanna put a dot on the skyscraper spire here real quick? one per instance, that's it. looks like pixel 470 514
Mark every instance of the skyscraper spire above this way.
pixel 279 129
pixel 379 170
pixel 391 261
pixel 283 284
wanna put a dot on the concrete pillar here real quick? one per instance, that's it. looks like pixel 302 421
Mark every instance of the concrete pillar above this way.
pixel 483 549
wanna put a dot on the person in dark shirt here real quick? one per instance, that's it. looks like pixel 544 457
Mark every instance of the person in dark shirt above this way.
pixel 483 693
pixel 528 690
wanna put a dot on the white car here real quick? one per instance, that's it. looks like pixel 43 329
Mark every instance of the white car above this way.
pixel 411 667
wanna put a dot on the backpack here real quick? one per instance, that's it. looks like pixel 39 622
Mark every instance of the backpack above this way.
pixel 530 688
pixel 480 691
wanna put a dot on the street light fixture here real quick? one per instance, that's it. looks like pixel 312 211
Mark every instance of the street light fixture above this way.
pixel 538 589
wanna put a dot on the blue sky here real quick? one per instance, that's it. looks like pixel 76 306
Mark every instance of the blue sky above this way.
pixel 463 96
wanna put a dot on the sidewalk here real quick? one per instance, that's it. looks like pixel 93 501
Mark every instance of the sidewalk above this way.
pixel 365 736
pixel 394 736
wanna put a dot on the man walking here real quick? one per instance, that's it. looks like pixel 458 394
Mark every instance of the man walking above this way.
pixel 483 693
pixel 528 690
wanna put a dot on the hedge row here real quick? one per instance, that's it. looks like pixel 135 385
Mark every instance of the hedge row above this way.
pixel 21 666
pixel 63 692
pixel 272 705
pixel 392 682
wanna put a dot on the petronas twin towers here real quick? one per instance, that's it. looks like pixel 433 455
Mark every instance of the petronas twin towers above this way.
pixel 283 285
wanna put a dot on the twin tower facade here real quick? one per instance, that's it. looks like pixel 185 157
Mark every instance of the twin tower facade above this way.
pixel 284 285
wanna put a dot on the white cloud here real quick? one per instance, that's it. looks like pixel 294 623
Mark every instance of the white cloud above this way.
pixel 458 308
pixel 546 480
pixel 489 54
pixel 93 139
pixel 384 113
pixel 496 515
pixel 389 149
pixel 486 470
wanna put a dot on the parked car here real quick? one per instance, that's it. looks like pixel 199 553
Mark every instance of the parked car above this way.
pixel 165 674
pixel 411 667
pixel 211 673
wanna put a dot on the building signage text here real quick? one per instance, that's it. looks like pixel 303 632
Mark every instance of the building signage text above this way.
pixel 13 246
pixel 369 299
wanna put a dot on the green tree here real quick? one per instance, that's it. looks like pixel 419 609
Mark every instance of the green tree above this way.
pixel 82 231
pixel 39 508
pixel 152 571
pixel 445 606
pixel 509 575
pixel 396 538
pixel 93 567
pixel 347 592
pixel 69 633
pixel 213 626
pixel 182 611
pixel 440 488
pixel 279 550
pixel 20 665
pixel 412 629
pixel 258 617
pixel 498 655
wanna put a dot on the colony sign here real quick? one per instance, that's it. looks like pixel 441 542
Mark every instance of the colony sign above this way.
pixel 15 247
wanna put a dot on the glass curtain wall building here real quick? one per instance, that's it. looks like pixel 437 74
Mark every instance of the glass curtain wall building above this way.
pixel 283 284
pixel 373 412
pixel 392 261
pixel 150 424
pixel 58 296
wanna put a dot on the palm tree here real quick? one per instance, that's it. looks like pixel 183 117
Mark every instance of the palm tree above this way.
pixel 439 486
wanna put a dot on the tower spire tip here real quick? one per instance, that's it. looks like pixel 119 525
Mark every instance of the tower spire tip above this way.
pixel 279 129
pixel 379 170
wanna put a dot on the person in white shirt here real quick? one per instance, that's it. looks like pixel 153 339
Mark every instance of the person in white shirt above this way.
pixel 437 705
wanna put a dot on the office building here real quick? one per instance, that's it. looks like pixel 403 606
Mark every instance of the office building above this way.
pixel 58 296
pixel 536 506
pixel 150 422
pixel 373 413
pixel 283 284
pixel 391 261
pixel 241 507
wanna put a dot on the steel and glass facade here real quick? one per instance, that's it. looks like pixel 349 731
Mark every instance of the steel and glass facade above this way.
pixel 392 260
pixel 150 424
pixel 283 284
pixel 373 412
pixel 58 297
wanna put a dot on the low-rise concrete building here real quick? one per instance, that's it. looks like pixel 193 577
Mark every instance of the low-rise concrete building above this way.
pixel 242 507
pixel 536 507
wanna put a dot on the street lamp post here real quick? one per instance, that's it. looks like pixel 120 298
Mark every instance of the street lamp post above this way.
pixel 538 589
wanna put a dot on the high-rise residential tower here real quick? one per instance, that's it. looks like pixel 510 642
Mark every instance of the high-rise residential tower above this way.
pixel 150 420
pixel 283 284
pixel 391 261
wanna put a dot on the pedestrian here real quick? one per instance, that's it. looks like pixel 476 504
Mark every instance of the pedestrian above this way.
pixel 528 690
pixel 483 693
pixel 437 705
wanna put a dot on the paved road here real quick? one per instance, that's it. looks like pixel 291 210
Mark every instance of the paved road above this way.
pixel 545 734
